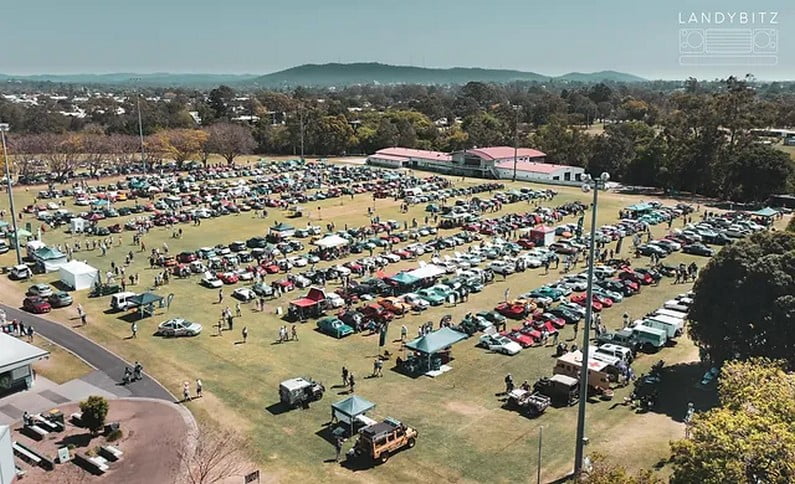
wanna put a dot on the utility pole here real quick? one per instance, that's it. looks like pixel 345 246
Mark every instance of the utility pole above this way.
pixel 140 124
pixel 515 139
pixel 301 123
pixel 4 128
pixel 588 184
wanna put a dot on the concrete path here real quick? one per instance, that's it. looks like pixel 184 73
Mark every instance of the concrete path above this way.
pixel 110 366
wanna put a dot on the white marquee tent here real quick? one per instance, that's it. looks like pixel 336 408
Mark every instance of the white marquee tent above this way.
pixel 78 275
pixel 331 241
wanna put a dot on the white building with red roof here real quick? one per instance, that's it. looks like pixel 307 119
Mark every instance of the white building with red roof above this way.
pixel 488 162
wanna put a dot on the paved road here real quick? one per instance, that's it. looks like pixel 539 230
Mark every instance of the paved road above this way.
pixel 96 356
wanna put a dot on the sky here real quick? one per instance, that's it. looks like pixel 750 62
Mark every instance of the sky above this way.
pixel 549 37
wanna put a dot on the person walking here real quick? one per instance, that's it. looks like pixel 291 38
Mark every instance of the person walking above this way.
pixel 220 296
pixel 83 318
pixel 134 328
pixel 237 309
pixel 508 383
pixel 338 447
pixel 294 333
pixel 351 382
pixel 245 333
pixel 185 392
pixel 198 388
pixel 404 331
pixel 344 376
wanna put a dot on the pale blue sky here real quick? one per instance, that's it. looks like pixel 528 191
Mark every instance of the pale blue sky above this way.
pixel 260 36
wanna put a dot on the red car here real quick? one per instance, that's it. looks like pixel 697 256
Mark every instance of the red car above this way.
pixel 271 268
pixel 35 304
pixel 629 274
pixel 228 277
pixel 186 257
pixel 531 330
pixel 286 284
pixel 403 253
pixel 581 298
pixel 630 284
pixel 524 340
pixel 525 243
pixel 376 312
pixel 606 302
pixel 550 318
pixel 513 310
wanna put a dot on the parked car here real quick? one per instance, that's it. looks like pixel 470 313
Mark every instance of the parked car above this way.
pixel 379 441
pixel 697 248
pixel 178 327
pixel 244 294
pixel 211 280
pixel 333 326
pixel 499 344
pixel 60 299
pixel 41 290
pixel 36 304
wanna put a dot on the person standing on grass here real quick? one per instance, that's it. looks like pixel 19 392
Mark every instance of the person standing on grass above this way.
pixel 198 388
pixel 237 309
pixel 351 382
pixel 185 392
pixel 83 318
pixel 294 333
pixel 134 328
pixel 338 447
pixel 220 296
pixel 30 333
pixel 245 333
pixel 404 331
pixel 344 376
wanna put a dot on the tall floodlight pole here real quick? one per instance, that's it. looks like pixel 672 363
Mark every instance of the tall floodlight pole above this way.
pixel 595 185
pixel 301 124
pixel 140 124
pixel 4 128
pixel 515 139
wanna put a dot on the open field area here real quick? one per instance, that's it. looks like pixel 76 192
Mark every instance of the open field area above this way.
pixel 464 433
pixel 61 366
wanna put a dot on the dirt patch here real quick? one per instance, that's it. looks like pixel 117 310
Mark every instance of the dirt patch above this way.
pixel 153 433
pixel 466 409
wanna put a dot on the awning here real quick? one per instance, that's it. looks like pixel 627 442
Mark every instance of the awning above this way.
pixel 352 407
pixel 427 271
pixel 304 302
pixel 331 241
pixel 282 227
pixel 48 253
pixel 15 353
pixel 766 212
pixel 436 341
pixel 145 298
pixel 403 278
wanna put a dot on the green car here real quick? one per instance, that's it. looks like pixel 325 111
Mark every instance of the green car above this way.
pixel 430 295
pixel 492 316
pixel 545 291
pixel 332 326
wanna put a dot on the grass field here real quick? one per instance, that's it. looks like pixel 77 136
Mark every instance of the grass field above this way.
pixel 465 435
pixel 61 366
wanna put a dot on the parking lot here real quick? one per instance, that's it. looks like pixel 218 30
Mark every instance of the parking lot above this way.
pixel 464 431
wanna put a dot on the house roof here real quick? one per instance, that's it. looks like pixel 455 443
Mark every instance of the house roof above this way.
pixel 403 153
pixel 501 152
pixel 531 166
pixel 15 353
pixel 383 156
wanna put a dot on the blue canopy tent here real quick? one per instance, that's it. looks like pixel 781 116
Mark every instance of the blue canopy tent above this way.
pixel 436 342
pixel 348 409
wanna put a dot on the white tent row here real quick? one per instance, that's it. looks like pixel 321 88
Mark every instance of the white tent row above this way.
pixel 331 241
pixel 78 275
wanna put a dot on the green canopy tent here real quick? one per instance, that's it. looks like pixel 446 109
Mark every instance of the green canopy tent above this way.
pixel 145 302
pixel 348 409
pixel 766 212
pixel 435 342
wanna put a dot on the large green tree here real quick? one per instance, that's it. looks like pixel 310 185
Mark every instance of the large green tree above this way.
pixel 751 437
pixel 745 300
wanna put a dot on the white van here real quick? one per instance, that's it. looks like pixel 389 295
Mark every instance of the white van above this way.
pixel 678 323
pixel 672 313
pixel 121 300
pixel 676 305
pixel 616 351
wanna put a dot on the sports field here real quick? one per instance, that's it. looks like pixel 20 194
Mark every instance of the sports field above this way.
pixel 464 433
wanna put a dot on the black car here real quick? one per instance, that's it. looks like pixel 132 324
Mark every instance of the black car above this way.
pixel 617 286
pixel 698 249
pixel 237 246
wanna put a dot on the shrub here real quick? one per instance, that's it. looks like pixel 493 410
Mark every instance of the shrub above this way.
pixel 114 436
pixel 94 410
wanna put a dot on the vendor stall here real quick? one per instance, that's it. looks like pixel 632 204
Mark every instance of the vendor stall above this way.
pixel 145 302
pixel 350 411
pixel 542 236
pixel 331 242
pixel 431 352
pixel 78 275
pixel 309 306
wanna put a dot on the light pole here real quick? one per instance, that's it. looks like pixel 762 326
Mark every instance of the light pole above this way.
pixel 301 125
pixel 516 109
pixel 588 184
pixel 140 124
pixel 4 128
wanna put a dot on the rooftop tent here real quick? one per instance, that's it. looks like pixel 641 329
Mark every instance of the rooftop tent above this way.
pixel 348 409
pixel 766 212
pixel 436 341
pixel 78 275
pixel 331 241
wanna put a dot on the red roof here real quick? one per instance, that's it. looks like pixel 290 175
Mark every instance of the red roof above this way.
pixel 502 152
pixel 531 166
pixel 304 302
pixel 404 153
pixel 382 156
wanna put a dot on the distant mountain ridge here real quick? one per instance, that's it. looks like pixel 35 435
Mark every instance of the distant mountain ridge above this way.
pixel 334 74
pixel 324 75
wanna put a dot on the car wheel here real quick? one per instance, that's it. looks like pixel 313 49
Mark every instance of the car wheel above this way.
pixel 384 457
pixel 412 442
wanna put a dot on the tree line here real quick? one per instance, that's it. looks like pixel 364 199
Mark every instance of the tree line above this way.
pixel 692 136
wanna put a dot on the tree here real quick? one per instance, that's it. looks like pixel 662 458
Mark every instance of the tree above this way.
pixel 755 172
pixel 182 144
pixel 94 411
pixel 218 101
pixel 387 134
pixel 218 455
pixel 744 302
pixel 484 129
pixel 750 438
pixel 605 472
pixel 61 152
pixel 563 144
pixel 229 140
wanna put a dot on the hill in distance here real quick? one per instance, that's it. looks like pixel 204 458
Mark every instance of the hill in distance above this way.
pixel 324 75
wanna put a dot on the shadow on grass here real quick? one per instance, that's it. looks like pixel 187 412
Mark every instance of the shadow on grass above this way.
pixel 679 385
pixel 277 408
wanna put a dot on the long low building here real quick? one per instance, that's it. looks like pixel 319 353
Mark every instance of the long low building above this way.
pixel 490 162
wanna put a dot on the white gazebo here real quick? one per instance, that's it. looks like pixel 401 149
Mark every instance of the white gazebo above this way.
pixel 331 241
pixel 78 275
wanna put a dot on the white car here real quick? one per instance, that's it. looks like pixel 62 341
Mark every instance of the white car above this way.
pixel 530 261
pixel 502 267
pixel 499 344
pixel 417 303
pixel 576 282
pixel 211 280
pixel 334 300
pixel 392 257
pixel 298 261
pixel 342 270
pixel 244 294
pixel 178 327
pixel 603 271
pixel 244 275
